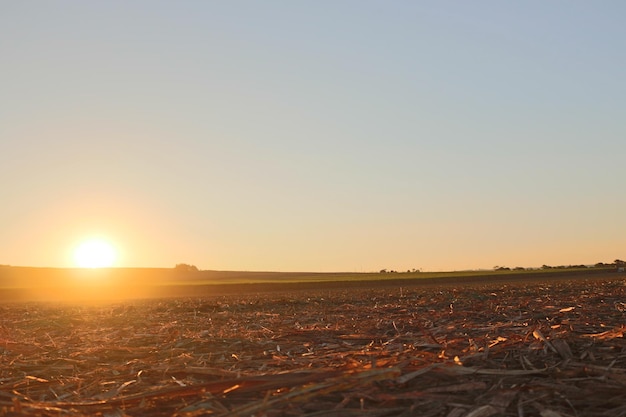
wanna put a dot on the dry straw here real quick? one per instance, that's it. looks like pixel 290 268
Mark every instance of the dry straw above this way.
pixel 551 349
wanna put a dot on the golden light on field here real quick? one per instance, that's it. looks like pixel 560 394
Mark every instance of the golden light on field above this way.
pixel 94 253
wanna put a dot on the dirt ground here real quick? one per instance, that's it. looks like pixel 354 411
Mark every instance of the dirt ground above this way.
pixel 533 348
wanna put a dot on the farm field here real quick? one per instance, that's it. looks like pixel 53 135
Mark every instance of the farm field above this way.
pixel 552 347
pixel 76 284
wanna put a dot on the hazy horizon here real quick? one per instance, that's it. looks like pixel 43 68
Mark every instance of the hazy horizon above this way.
pixel 385 270
pixel 312 136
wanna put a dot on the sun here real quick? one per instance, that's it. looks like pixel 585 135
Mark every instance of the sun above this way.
pixel 94 253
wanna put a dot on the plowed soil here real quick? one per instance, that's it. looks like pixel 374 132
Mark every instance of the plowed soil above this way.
pixel 549 349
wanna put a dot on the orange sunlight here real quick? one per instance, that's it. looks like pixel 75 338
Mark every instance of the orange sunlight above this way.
pixel 94 253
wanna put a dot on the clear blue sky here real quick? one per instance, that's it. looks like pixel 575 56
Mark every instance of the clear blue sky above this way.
pixel 318 136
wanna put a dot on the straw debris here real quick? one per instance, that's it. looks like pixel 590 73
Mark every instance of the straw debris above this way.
pixel 514 349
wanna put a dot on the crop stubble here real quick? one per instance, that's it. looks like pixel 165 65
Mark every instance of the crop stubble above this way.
pixel 511 349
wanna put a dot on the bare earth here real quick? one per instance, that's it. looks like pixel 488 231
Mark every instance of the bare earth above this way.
pixel 527 348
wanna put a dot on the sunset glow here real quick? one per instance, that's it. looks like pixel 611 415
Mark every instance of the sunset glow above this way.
pixel 94 253
pixel 296 137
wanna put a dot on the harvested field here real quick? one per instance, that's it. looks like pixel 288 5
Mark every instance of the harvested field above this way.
pixel 509 349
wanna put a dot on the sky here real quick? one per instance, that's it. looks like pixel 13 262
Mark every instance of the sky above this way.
pixel 349 135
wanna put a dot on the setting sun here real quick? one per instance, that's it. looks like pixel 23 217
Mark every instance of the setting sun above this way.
pixel 94 253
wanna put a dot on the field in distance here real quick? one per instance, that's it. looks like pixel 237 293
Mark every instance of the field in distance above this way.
pixel 51 284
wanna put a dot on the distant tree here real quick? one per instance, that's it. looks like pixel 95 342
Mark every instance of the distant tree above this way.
pixel 519 268
pixel 546 267
pixel 619 262
pixel 186 268
pixel 383 271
